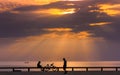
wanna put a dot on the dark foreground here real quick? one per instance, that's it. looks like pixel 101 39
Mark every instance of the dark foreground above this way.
pixel 60 73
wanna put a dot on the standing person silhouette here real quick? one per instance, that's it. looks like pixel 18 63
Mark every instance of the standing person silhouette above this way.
pixel 64 65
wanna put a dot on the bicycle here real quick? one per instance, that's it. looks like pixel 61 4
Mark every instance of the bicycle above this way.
pixel 51 67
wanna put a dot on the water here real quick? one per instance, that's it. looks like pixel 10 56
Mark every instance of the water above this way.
pixel 59 64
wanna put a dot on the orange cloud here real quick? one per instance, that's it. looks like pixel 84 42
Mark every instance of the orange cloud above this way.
pixel 100 23
pixel 110 9
pixel 58 29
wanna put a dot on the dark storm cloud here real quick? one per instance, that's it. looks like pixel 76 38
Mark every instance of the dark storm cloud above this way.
pixel 13 25
pixel 26 24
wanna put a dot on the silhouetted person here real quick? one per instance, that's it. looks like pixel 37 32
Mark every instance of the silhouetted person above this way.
pixel 40 66
pixel 64 65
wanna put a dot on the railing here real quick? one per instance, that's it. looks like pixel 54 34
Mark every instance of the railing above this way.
pixel 30 69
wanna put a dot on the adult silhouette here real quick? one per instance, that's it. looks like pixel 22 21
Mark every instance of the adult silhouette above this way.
pixel 64 65
pixel 40 66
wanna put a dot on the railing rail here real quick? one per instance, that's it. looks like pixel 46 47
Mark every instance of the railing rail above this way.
pixel 29 69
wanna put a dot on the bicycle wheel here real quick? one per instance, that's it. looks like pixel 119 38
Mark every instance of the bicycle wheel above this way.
pixel 46 69
pixel 55 69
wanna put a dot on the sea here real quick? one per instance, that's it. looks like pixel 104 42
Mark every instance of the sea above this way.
pixel 60 63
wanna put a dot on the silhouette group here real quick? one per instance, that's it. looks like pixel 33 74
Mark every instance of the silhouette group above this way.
pixel 52 67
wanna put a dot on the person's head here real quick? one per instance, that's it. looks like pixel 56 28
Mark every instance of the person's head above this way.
pixel 39 61
pixel 63 58
pixel 47 64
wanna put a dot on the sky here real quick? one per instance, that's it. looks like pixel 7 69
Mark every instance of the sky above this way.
pixel 48 30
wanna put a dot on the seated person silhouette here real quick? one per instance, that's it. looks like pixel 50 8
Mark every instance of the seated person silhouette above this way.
pixel 40 66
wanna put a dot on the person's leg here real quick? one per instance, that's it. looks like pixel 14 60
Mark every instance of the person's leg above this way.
pixel 65 71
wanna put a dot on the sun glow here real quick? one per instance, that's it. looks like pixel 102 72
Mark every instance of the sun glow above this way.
pixel 69 35
pixel 70 4
pixel 58 29
pixel 71 0
pixel 61 11
pixel 55 45
pixel 54 11
pixel 58 44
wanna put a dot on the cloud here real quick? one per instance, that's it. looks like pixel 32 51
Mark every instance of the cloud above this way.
pixel 110 9
pixel 7 5
pixel 78 15
pixel 100 24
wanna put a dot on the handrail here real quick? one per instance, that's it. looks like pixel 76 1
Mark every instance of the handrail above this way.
pixel 72 68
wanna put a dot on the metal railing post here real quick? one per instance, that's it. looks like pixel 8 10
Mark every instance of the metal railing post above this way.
pixel 87 69
pixel 116 69
pixel 101 69
pixel 13 69
pixel 72 69
pixel 28 69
